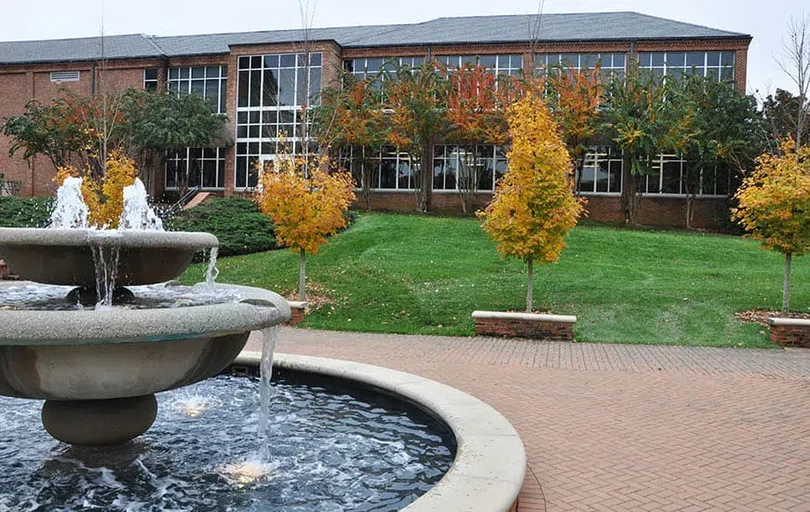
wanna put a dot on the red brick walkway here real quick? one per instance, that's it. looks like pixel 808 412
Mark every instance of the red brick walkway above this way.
pixel 619 427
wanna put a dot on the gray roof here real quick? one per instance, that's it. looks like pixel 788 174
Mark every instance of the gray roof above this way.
pixel 84 49
pixel 606 26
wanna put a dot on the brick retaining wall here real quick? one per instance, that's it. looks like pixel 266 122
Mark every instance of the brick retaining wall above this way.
pixel 299 312
pixel 787 332
pixel 524 325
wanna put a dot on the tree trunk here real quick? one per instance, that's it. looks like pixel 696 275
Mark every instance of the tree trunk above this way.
pixel 786 289
pixel 628 189
pixel 302 276
pixel 530 287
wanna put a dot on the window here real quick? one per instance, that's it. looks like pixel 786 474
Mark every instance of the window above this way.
pixel 64 76
pixel 388 169
pixel 601 171
pixel 373 66
pixel 150 79
pixel 210 82
pixel 205 168
pixel 718 65
pixel 611 65
pixel 455 167
pixel 510 64
pixel 271 90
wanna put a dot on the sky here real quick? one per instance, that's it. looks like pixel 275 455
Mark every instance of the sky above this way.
pixel 766 21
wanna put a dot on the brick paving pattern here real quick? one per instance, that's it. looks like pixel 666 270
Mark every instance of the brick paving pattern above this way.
pixel 623 427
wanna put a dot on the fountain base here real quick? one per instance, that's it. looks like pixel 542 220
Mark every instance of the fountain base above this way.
pixel 99 422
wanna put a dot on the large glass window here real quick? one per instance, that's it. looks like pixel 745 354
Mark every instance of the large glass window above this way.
pixel 388 169
pixel 269 120
pixel 611 65
pixel 456 167
pixel 373 66
pixel 718 65
pixel 205 168
pixel 601 171
pixel 210 82
pixel 510 64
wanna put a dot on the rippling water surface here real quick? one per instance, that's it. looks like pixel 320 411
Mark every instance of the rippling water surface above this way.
pixel 331 449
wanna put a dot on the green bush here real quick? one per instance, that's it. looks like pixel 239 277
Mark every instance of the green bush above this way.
pixel 25 212
pixel 235 221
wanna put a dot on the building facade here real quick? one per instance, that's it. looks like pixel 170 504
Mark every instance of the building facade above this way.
pixel 260 80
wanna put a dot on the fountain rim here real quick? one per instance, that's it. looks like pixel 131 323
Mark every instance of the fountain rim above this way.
pixel 257 309
pixel 125 238
pixel 488 471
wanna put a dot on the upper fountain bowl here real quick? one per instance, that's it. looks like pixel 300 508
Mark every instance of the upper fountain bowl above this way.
pixel 65 256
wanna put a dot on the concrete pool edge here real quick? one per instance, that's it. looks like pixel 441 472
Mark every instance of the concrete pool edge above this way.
pixel 488 470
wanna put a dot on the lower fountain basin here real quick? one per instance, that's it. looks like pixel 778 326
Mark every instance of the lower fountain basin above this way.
pixel 65 256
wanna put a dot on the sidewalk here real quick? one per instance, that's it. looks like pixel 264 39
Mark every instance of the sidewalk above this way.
pixel 623 427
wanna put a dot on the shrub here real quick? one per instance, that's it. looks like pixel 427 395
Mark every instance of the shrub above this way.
pixel 25 212
pixel 235 221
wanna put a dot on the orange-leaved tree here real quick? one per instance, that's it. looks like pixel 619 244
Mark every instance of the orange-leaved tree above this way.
pixel 774 206
pixel 476 111
pixel 534 206
pixel 104 195
pixel 574 98
pixel 305 209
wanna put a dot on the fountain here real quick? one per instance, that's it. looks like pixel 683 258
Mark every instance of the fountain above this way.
pixel 98 368
pixel 104 329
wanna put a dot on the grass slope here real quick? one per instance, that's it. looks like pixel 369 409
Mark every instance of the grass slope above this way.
pixel 412 274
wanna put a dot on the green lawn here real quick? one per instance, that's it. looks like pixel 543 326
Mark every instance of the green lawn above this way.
pixel 412 274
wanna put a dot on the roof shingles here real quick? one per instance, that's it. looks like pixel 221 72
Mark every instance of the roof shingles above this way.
pixel 607 26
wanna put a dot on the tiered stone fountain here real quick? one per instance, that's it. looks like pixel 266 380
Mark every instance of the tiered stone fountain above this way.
pixel 96 362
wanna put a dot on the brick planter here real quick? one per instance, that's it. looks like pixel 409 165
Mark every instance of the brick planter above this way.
pixel 299 311
pixel 790 332
pixel 524 325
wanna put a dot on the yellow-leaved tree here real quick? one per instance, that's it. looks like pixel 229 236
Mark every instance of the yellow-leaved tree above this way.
pixel 534 206
pixel 104 196
pixel 774 206
pixel 306 203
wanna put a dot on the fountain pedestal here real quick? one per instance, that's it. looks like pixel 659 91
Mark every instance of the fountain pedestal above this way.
pixel 99 422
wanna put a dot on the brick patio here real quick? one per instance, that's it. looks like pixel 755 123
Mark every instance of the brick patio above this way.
pixel 621 427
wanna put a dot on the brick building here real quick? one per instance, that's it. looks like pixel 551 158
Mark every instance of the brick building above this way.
pixel 257 80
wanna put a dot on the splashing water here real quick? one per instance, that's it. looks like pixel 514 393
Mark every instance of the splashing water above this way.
pixel 212 271
pixel 137 213
pixel 266 391
pixel 70 211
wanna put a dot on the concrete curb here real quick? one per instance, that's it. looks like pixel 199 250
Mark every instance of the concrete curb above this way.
pixel 490 463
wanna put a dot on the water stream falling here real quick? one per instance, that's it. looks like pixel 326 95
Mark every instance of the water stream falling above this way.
pixel 269 338
pixel 212 271
pixel 106 266
pixel 70 211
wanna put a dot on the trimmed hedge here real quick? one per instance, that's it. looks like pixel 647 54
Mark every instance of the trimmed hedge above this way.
pixel 235 221
pixel 25 212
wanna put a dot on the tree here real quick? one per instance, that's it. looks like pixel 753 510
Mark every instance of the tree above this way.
pixel 77 130
pixel 634 117
pixel 350 119
pixel 534 207
pixel 304 210
pixel 774 206
pixel 719 128
pixel 476 114
pixel 574 99
pixel 779 112
pixel 795 63
pixel 415 103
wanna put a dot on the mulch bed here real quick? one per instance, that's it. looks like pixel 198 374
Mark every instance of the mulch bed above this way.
pixel 760 316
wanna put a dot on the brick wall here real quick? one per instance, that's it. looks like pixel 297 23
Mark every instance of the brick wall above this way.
pixel 793 336
pixel 523 328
